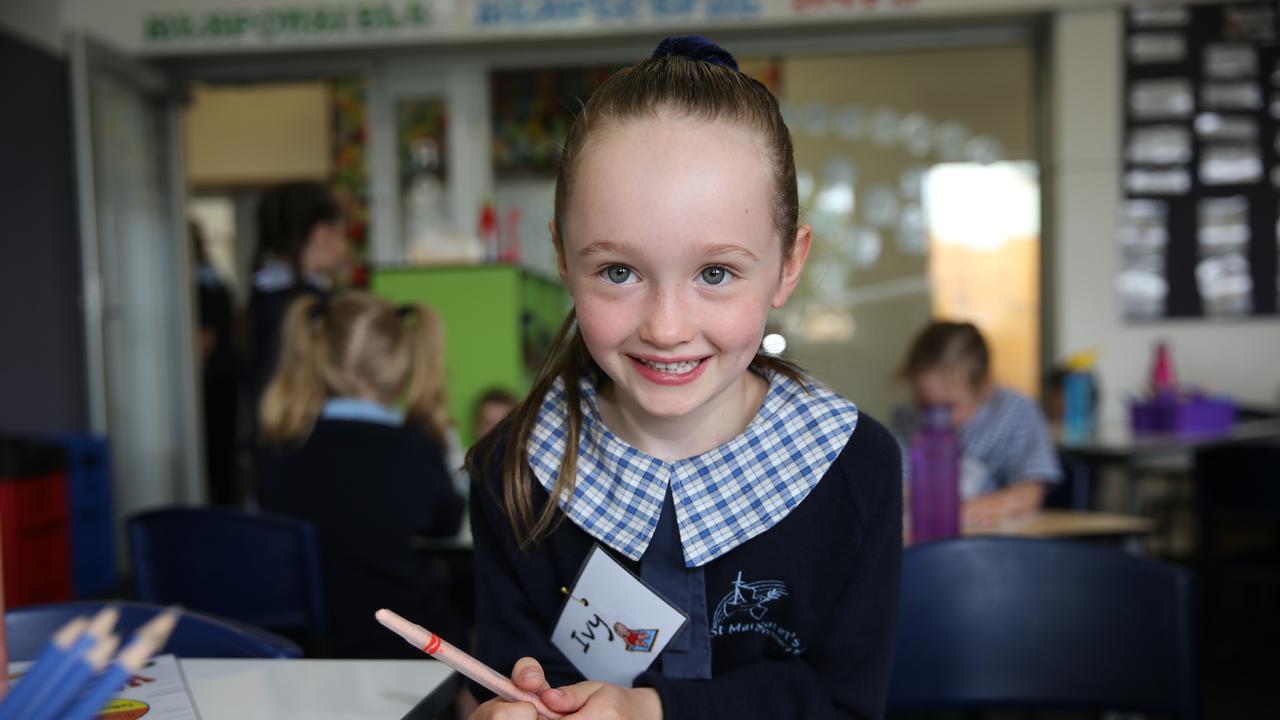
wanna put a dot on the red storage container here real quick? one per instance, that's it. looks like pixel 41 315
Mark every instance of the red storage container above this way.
pixel 35 523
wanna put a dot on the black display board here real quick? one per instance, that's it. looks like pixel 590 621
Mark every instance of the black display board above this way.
pixel 1199 225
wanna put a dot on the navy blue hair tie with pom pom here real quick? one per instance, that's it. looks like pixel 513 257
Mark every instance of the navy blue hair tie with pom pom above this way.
pixel 696 47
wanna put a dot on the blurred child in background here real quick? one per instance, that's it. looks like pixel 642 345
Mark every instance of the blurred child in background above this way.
pixel 219 369
pixel 493 405
pixel 489 409
pixel 1008 455
pixel 302 249
pixel 353 425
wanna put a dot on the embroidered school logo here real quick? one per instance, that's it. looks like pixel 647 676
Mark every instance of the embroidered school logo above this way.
pixel 636 640
pixel 743 610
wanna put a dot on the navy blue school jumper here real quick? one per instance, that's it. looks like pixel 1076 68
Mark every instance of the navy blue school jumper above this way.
pixel 274 290
pixel 790 578
pixel 369 485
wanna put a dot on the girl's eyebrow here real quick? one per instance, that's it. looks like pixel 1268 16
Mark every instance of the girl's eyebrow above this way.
pixel 601 247
pixel 608 247
pixel 730 249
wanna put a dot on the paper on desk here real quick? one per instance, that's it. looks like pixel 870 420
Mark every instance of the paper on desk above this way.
pixel 157 692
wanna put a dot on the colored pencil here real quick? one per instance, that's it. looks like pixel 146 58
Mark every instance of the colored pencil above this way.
pixel 68 636
pixel 435 646
pixel 146 642
pixel 71 681
pixel 47 677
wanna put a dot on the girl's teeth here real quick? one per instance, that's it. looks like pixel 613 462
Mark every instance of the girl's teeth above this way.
pixel 679 368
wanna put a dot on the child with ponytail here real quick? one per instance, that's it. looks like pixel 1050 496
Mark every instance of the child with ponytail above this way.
pixel 354 423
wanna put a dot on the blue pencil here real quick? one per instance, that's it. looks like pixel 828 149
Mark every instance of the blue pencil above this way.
pixel 149 639
pixel 51 680
pixel 69 639
pixel 69 684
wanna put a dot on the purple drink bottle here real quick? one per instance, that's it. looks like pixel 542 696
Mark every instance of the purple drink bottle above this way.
pixel 935 478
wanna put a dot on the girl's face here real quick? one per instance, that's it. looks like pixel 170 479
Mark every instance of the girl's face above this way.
pixel 673 262
pixel 326 250
pixel 950 388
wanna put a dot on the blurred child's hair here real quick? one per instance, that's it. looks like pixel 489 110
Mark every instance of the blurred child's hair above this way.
pixel 287 214
pixel 949 347
pixel 494 396
pixel 352 344
pixel 671 86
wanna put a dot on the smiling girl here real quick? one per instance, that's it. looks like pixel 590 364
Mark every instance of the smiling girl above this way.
pixel 755 500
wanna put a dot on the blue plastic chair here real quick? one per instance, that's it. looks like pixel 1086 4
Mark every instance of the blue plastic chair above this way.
pixel 29 628
pixel 1036 624
pixel 1238 486
pixel 259 569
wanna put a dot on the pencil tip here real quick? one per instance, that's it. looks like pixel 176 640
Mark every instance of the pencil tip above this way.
pixel 101 653
pixel 104 620
pixel 69 632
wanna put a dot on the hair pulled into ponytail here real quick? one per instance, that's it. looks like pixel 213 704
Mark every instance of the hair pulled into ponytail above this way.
pixel 356 345
pixel 298 390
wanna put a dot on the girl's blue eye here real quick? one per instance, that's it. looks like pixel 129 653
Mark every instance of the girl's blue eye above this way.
pixel 714 275
pixel 617 274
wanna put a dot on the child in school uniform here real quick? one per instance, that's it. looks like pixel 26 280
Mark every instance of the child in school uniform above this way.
pixel 354 423
pixel 302 248
pixel 760 503
pixel 1007 451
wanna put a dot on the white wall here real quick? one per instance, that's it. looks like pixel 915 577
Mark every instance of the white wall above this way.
pixel 36 21
pixel 1241 357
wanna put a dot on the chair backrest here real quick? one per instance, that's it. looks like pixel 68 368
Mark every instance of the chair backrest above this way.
pixel 991 622
pixel 29 628
pixel 255 568
pixel 1239 481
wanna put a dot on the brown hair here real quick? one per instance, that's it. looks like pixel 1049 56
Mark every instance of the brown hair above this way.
pixel 493 396
pixel 356 345
pixel 668 86
pixel 287 214
pixel 950 346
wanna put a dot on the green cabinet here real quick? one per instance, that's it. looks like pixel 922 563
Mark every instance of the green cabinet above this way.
pixel 498 320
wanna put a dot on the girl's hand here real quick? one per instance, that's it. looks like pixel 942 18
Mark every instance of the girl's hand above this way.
pixel 603 701
pixel 993 508
pixel 528 676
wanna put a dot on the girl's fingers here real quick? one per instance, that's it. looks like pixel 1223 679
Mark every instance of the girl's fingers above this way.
pixel 499 709
pixel 528 676
pixel 570 698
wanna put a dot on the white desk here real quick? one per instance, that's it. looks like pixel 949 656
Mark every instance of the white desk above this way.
pixel 312 689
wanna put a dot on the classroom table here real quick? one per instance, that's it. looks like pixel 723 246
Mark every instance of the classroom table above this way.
pixel 1117 441
pixel 319 689
pixel 1115 444
pixel 1067 524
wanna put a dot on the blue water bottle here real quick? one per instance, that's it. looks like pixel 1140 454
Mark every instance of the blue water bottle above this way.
pixel 1078 392
pixel 1077 421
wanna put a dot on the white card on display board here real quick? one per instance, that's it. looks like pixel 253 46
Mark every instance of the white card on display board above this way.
pixel 613 626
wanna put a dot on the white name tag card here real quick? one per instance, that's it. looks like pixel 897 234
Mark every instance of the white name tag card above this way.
pixel 613 625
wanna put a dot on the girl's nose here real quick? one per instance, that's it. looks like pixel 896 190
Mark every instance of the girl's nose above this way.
pixel 667 322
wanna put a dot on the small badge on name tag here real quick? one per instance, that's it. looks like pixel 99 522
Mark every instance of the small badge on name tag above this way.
pixel 613 625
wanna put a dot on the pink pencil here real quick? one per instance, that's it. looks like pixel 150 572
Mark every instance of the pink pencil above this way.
pixel 435 646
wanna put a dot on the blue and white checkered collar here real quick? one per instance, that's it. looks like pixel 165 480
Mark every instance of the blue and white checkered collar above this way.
pixel 723 497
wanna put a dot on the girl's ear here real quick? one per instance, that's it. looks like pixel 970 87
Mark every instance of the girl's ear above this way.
pixel 792 266
pixel 559 246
